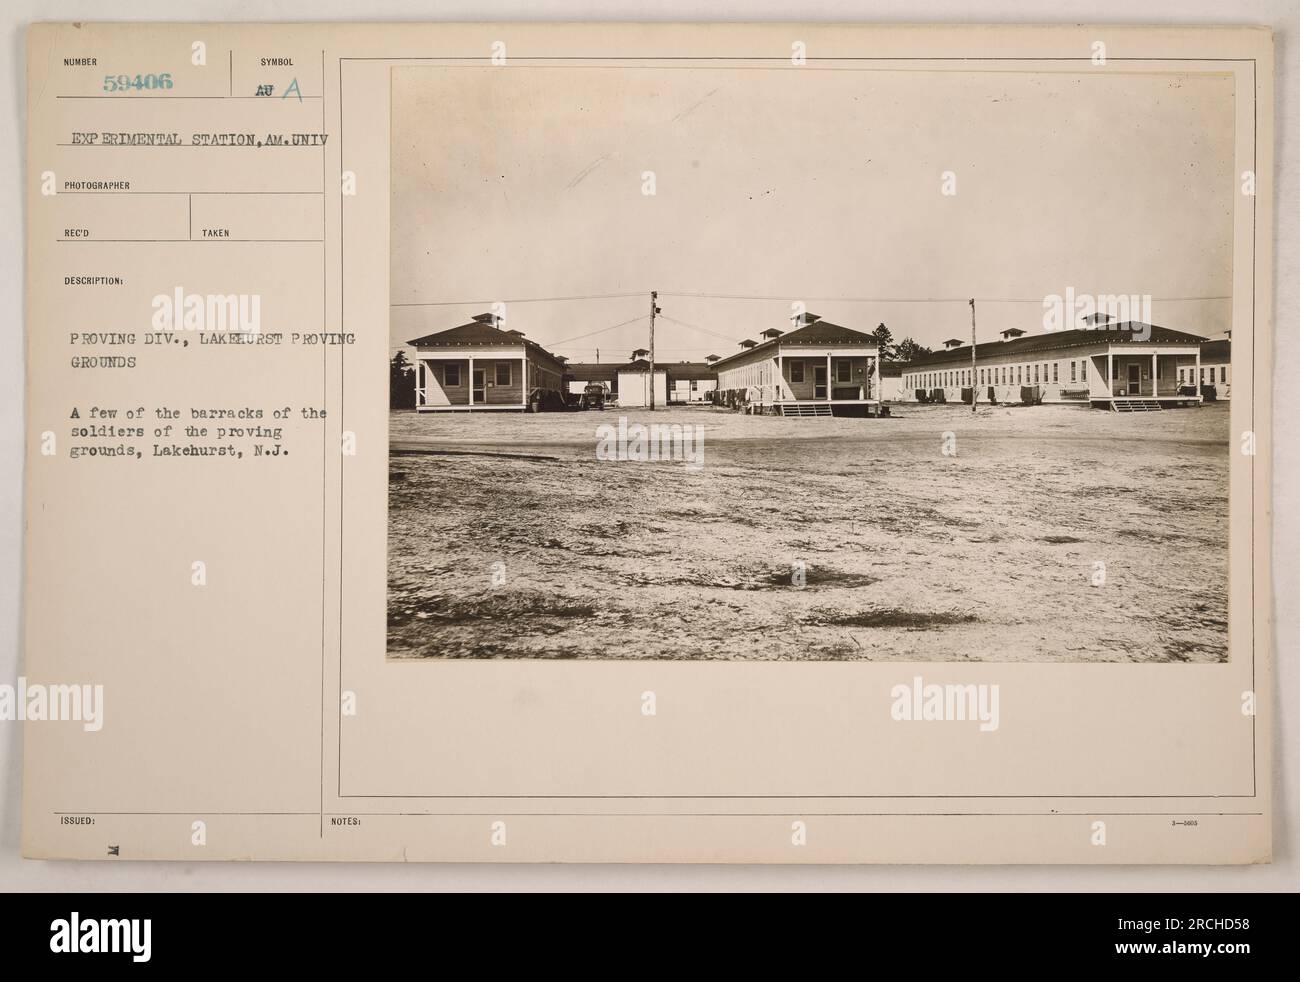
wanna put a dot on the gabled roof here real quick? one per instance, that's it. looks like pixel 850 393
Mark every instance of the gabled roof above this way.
pixel 585 371
pixel 591 372
pixel 686 371
pixel 480 333
pixel 475 332
pixel 1115 333
pixel 817 332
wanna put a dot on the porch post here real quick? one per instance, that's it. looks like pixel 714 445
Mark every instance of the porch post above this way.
pixel 828 377
pixel 1110 374
pixel 471 380
pixel 1155 369
pixel 523 381
pixel 1197 376
pixel 780 375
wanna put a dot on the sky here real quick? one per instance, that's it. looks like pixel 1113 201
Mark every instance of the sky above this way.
pixel 824 187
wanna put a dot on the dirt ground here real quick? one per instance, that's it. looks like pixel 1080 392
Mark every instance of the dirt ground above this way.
pixel 908 554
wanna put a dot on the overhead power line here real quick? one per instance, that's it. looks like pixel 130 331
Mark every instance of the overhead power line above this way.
pixel 474 303
pixel 792 297
pixel 696 327
pixel 754 297
pixel 556 344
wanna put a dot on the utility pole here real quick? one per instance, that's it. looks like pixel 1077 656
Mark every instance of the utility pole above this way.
pixel 974 388
pixel 654 295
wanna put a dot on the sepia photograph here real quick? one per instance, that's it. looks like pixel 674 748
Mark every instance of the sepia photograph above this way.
pixel 681 370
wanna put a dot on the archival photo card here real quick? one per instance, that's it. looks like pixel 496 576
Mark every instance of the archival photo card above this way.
pixel 648 443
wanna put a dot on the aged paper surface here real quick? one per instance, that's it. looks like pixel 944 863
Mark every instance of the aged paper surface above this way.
pixel 306 600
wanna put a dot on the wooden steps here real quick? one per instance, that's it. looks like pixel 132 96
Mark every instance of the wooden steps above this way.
pixel 806 409
pixel 1136 405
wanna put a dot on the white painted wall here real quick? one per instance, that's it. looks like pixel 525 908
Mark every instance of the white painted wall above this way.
pixel 634 389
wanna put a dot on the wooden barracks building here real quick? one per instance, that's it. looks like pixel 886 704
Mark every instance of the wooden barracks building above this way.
pixel 479 366
pixel 1124 366
pixel 817 369
pixel 1216 366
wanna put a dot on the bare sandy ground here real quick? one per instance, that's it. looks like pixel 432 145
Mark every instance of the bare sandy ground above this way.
pixel 988 555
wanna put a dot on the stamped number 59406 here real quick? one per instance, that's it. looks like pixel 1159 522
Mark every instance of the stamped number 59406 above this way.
pixel 126 83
